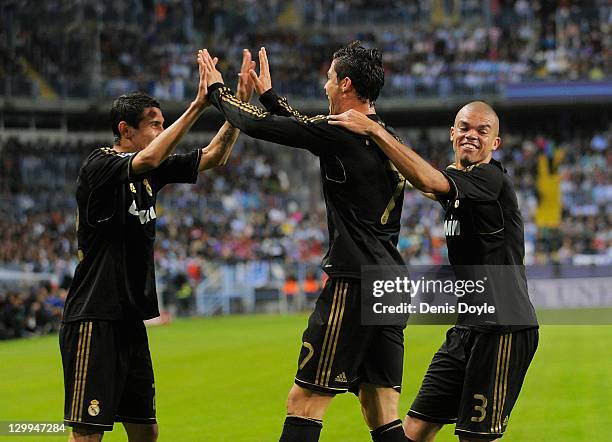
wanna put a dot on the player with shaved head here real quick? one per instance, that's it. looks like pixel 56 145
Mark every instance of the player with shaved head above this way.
pixel 475 377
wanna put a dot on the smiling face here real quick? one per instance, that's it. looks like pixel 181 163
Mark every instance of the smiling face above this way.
pixel 475 134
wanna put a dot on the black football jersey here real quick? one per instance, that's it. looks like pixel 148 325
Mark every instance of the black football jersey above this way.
pixel 363 191
pixel 485 237
pixel 115 278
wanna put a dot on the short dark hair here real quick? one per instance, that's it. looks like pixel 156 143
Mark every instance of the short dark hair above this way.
pixel 364 67
pixel 130 108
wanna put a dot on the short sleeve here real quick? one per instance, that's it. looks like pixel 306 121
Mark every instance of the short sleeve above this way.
pixel 107 166
pixel 479 183
pixel 178 168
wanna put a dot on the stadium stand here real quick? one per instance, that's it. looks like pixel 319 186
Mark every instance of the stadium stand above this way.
pixel 430 50
pixel 261 218
pixel 252 211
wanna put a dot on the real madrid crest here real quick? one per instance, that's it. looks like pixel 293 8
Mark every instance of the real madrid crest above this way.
pixel 132 188
pixel 456 204
pixel 148 187
pixel 94 408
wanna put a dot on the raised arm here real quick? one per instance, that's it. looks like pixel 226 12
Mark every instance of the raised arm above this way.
pixel 313 134
pixel 164 144
pixel 268 97
pixel 415 169
pixel 219 149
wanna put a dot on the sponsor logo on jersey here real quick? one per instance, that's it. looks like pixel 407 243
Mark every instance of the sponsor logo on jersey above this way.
pixel 452 227
pixel 144 216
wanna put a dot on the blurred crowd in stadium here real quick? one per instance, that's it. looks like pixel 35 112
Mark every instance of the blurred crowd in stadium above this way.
pixel 37 310
pixel 90 49
pixel 262 206
pixel 255 209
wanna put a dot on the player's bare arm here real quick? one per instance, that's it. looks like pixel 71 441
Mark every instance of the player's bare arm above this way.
pixel 219 149
pixel 164 144
pixel 417 171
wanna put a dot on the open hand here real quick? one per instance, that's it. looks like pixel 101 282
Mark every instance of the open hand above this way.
pixel 210 64
pixel 244 90
pixel 201 99
pixel 354 121
pixel 263 81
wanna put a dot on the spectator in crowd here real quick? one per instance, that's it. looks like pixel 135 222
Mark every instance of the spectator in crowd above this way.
pixel 461 49
pixel 291 291
pixel 251 211
pixel 29 312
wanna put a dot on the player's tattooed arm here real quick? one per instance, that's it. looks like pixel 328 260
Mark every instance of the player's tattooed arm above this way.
pixel 417 171
pixel 219 149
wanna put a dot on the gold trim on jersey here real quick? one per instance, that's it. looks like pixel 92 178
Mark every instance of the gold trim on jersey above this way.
pixel 225 94
pixel 453 166
pixel 80 375
pixel 390 166
pixel 109 151
pixel 399 188
pixel 282 101
pixel 147 187
pixel 391 204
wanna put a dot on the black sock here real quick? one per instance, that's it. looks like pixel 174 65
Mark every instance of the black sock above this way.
pixel 301 429
pixel 391 432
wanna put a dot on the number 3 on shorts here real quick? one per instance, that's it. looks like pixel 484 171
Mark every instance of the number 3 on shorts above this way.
pixel 481 409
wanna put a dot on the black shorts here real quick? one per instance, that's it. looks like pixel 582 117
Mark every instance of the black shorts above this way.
pixel 338 353
pixel 108 374
pixel 474 380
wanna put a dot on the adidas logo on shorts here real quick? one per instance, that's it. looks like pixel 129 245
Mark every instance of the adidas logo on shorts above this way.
pixel 341 378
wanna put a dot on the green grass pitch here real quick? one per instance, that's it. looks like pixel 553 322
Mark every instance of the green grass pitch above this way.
pixel 226 379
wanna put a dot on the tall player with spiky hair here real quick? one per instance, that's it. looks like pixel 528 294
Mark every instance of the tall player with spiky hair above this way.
pixel 363 195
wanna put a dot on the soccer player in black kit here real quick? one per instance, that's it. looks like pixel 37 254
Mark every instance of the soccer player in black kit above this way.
pixel 108 374
pixel 475 377
pixel 363 193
